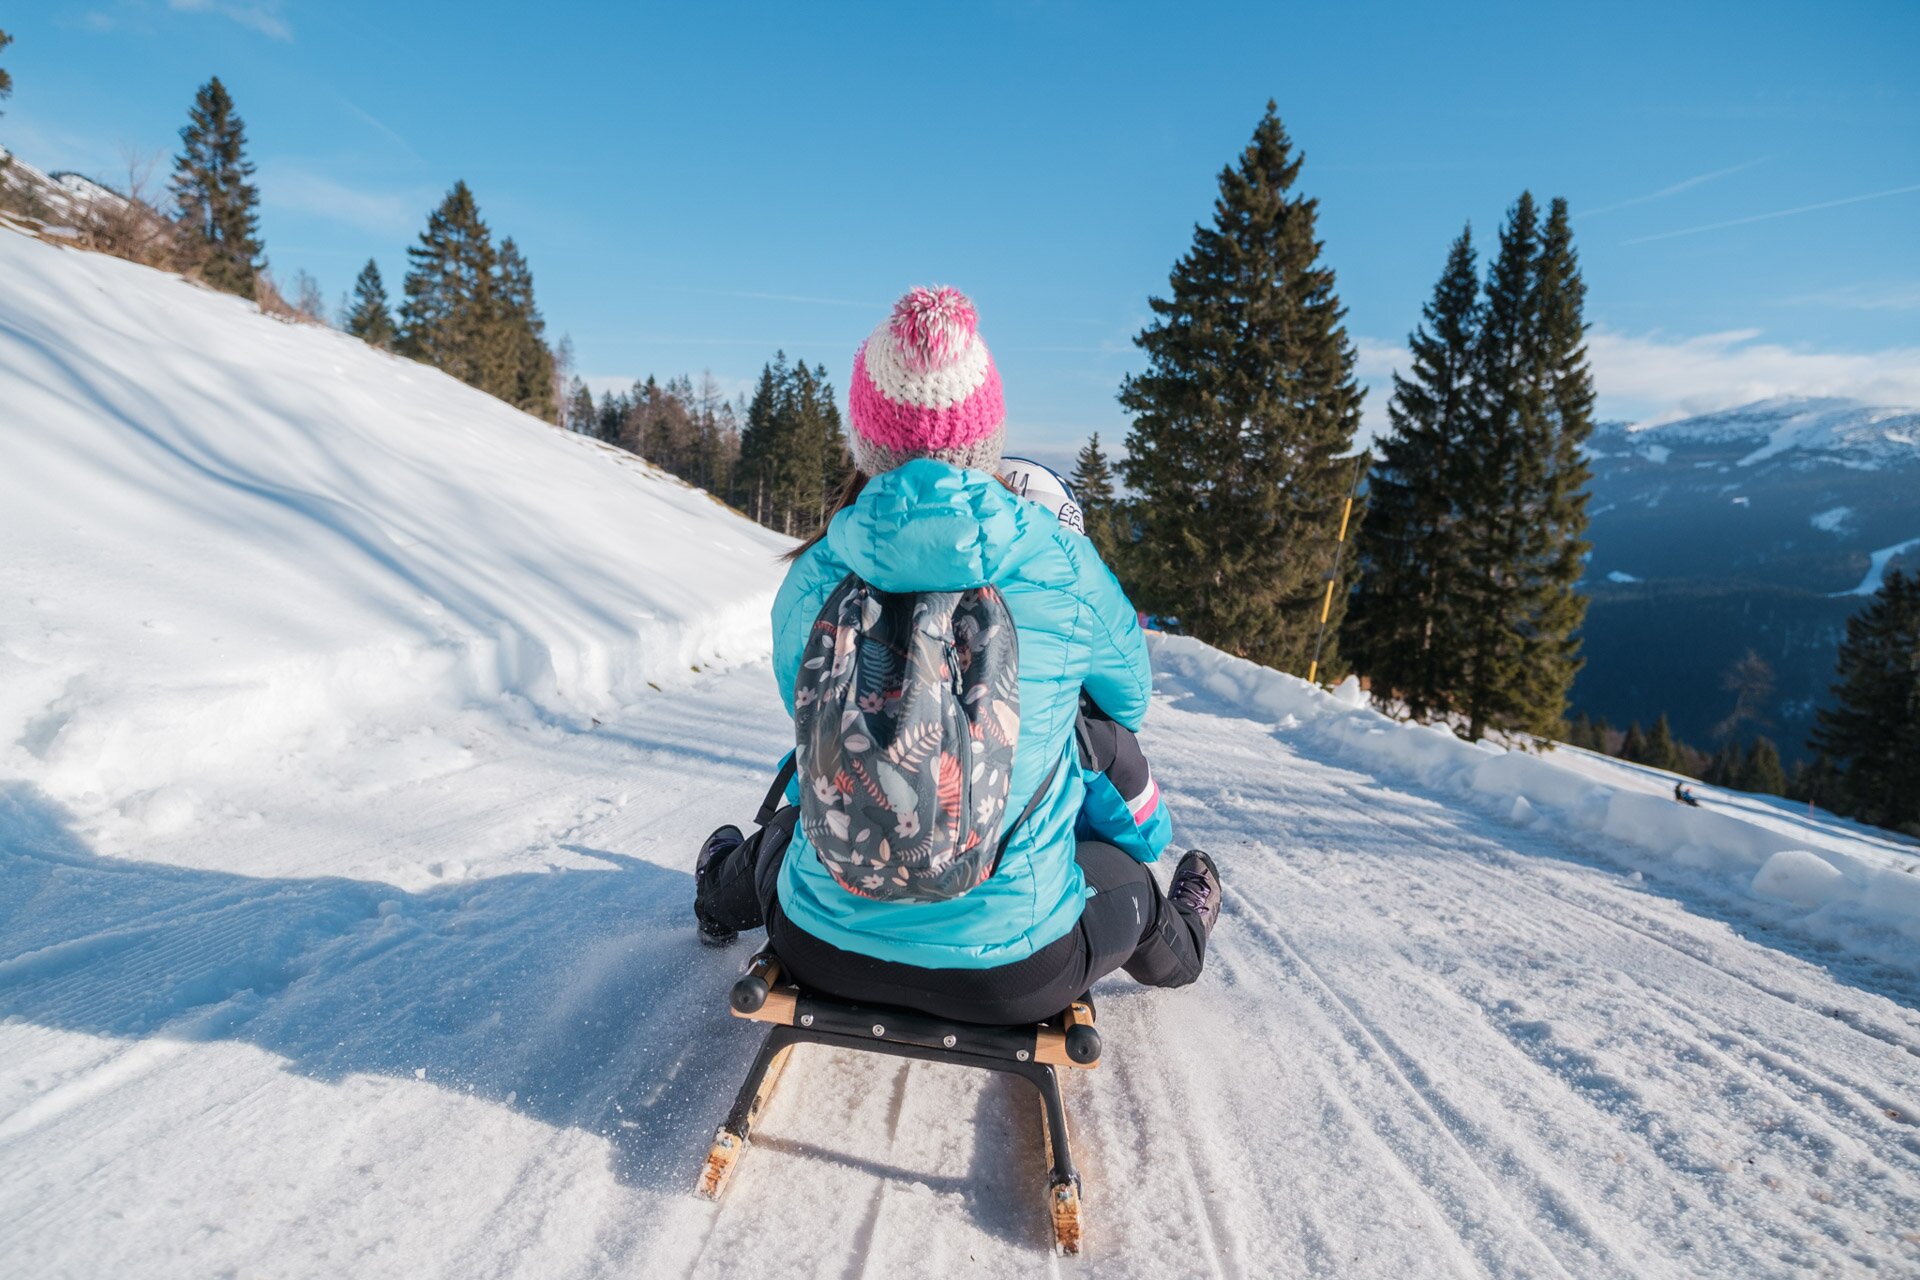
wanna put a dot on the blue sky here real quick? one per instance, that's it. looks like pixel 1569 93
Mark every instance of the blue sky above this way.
pixel 698 185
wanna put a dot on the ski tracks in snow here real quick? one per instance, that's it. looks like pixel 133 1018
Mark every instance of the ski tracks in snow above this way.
pixel 1428 1042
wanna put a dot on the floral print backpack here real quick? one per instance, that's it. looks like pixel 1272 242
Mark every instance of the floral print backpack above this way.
pixel 906 715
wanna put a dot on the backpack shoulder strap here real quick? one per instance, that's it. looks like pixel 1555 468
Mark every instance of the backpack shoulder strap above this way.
pixel 1033 802
pixel 777 794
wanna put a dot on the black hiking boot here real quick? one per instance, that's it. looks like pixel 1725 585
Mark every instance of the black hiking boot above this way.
pixel 1196 889
pixel 722 842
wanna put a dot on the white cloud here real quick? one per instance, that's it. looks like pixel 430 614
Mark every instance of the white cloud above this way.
pixel 387 213
pixel 1377 360
pixel 1653 378
pixel 257 15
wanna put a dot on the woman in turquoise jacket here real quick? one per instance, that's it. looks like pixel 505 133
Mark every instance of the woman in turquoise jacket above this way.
pixel 925 512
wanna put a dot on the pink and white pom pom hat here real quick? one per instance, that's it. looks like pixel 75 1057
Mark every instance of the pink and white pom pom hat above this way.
pixel 924 386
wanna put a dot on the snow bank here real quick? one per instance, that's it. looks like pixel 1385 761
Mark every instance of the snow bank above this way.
pixel 1847 890
pixel 233 543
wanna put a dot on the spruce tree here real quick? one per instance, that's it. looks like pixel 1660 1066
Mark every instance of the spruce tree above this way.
pixel 369 319
pixel 529 363
pixel 1817 781
pixel 1660 749
pixel 613 412
pixel 1579 731
pixel 213 189
pixel 1633 748
pixel 1523 549
pixel 1241 420
pixel 451 314
pixel 1724 769
pixel 1403 625
pixel 1760 772
pixel 582 416
pixel 1092 482
pixel 753 478
pixel 1872 732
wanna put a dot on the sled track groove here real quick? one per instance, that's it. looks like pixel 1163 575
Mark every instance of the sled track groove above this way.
pixel 1371 1043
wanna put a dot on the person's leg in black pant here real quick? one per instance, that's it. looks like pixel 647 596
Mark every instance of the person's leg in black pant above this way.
pixel 735 888
pixel 1130 924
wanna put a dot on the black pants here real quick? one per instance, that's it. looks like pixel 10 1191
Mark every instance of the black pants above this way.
pixel 1128 924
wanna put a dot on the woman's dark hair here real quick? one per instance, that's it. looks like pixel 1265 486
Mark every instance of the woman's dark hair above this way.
pixel 856 481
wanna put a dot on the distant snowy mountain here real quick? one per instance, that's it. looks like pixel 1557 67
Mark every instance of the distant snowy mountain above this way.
pixel 1760 527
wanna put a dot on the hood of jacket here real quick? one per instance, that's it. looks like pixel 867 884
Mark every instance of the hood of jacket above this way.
pixel 931 526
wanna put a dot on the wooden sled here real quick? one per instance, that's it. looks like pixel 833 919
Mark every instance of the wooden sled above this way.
pixel 1031 1052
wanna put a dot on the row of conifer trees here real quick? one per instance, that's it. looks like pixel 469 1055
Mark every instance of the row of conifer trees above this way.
pixel 1460 604
pixel 467 304
pixel 467 308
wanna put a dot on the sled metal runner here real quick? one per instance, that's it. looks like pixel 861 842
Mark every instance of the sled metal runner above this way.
pixel 1033 1052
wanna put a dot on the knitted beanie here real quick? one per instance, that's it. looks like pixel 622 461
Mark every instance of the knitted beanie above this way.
pixel 924 386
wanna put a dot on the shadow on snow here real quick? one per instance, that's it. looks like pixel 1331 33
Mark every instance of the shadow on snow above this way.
pixel 579 998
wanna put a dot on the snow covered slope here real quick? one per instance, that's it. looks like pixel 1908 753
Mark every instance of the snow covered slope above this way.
pixel 344 919
pixel 236 547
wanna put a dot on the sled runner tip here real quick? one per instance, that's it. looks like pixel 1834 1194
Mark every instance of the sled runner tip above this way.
pixel 722 1157
pixel 1063 1207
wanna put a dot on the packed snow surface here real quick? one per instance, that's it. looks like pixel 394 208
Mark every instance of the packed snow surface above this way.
pixel 344 914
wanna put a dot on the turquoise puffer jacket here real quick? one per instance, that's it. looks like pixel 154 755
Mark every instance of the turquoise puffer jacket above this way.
pixel 928 526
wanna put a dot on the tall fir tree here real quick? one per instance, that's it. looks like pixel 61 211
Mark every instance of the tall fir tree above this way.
pixel 369 318
pixel 1523 550
pixel 1661 751
pixel 1633 747
pixel 1402 627
pixel 529 362
pixel 451 313
pixel 1872 732
pixel 581 416
pixel 1241 420
pixel 1760 772
pixel 214 193
pixel 754 477
pixel 1092 482
pixel 1723 770
pixel 793 458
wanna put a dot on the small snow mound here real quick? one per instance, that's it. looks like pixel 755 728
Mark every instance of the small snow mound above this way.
pixel 1348 692
pixel 1799 877
pixel 1522 812
pixel 162 811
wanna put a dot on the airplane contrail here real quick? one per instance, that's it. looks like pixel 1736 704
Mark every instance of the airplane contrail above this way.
pixel 1777 213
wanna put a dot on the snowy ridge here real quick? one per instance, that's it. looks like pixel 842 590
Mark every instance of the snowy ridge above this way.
pixel 1869 900
pixel 68 197
pixel 231 540
pixel 1833 428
